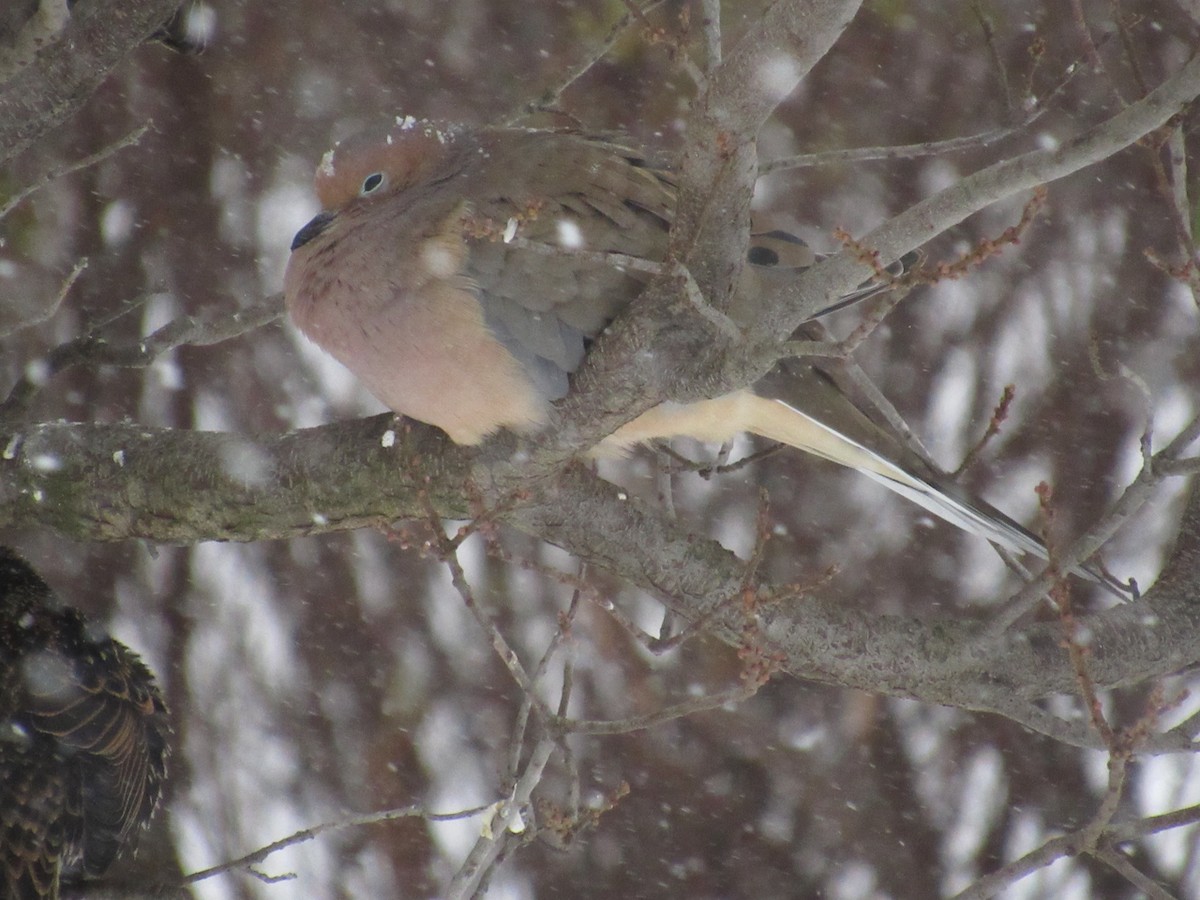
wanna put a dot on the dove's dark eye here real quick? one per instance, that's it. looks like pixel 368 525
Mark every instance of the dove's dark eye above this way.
pixel 371 183
pixel 762 256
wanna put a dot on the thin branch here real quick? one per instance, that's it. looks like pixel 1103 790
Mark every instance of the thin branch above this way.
pixel 993 883
pixel 721 322
pixel 307 834
pixel 793 303
pixel 1131 831
pixel 1085 37
pixel 1077 652
pixel 1122 866
pixel 59 171
pixel 1189 727
pixel 565 621
pixel 1068 844
pixel 490 847
pixel 446 550
pixel 549 101
pixel 710 28
pixel 92 349
pixel 50 309
pixel 641 723
pixel 925 148
pixel 713 468
pixel 1180 204
pixel 1089 543
pixel 865 390
pixel 904 151
pixel 999 414
pixel 989 40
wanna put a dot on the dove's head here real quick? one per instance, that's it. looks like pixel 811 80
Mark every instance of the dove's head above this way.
pixel 381 162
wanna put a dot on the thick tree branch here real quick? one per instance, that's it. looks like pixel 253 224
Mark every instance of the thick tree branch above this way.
pixel 720 165
pixel 65 74
pixel 822 284
pixel 114 482
pixel 108 482
pixel 661 348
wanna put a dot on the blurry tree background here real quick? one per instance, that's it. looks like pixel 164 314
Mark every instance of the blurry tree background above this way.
pixel 321 677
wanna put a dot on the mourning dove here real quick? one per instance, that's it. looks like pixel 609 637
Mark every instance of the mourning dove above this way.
pixel 461 273
pixel 83 740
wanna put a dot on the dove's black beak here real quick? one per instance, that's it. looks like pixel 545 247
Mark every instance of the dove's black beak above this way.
pixel 318 224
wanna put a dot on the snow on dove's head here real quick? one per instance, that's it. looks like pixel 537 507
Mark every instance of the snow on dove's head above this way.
pixel 382 161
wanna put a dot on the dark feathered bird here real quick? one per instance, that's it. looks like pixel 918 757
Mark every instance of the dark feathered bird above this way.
pixel 83 740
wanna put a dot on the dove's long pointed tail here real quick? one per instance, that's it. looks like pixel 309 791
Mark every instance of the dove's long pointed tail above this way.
pixel 778 421
pixel 720 419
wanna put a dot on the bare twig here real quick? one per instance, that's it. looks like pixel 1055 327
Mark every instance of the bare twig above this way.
pixel 446 550
pixel 1085 37
pixel 917 151
pixel 59 171
pixel 1131 831
pixel 1180 204
pixel 1037 53
pixel 1095 838
pixel 1060 595
pixel 491 846
pixel 640 723
pixel 661 645
pixel 1189 727
pixel 710 28
pixel 308 834
pixel 1172 187
pixel 872 154
pixel 989 247
pixel 549 101
pixel 1139 384
pixel 993 883
pixel 563 828
pixel 1129 54
pixel 710 469
pixel 1088 544
pixel 866 391
pixel 989 39
pixel 48 311
pixel 92 349
pixel 565 621
pixel 999 414
pixel 816 349
pixel 1122 866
